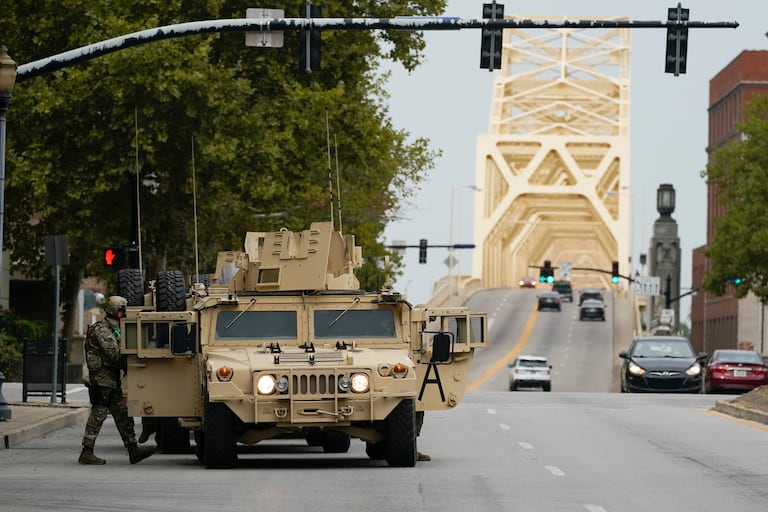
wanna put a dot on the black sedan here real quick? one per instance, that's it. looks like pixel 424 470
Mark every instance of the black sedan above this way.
pixel 661 364
pixel 592 308
pixel 549 300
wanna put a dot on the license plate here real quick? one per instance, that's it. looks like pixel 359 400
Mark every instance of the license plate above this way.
pixel 739 373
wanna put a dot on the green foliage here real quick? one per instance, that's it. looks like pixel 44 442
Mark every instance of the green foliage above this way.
pixel 257 137
pixel 13 330
pixel 739 172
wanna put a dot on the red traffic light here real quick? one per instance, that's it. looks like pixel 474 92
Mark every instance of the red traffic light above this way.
pixel 109 257
pixel 114 257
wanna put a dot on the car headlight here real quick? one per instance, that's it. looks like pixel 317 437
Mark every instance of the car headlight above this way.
pixel 265 384
pixel 693 370
pixel 634 369
pixel 360 383
pixel 344 383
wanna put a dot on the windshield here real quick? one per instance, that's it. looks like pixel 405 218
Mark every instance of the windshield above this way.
pixel 259 325
pixel 365 323
pixel 532 363
pixel 662 348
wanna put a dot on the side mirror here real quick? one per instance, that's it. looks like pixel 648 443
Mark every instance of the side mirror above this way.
pixel 623 354
pixel 441 348
pixel 702 356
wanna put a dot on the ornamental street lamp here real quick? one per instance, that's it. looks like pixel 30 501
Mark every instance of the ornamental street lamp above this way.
pixel 7 79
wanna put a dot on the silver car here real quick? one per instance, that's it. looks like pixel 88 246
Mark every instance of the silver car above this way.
pixel 530 372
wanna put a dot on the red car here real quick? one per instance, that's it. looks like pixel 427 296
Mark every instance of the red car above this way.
pixel 734 371
pixel 527 282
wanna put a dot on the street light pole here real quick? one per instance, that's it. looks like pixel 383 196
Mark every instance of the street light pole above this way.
pixel 7 79
pixel 450 236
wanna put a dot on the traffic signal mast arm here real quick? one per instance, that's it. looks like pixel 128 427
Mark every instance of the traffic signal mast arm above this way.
pixel 412 23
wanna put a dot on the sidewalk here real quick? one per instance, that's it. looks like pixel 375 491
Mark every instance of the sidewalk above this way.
pixel 30 420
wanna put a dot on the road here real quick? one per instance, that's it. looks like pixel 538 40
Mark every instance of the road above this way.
pixel 580 447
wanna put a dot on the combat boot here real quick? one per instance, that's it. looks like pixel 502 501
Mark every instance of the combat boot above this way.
pixel 138 453
pixel 87 457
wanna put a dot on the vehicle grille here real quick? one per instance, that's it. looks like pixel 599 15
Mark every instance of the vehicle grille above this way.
pixel 665 380
pixel 313 385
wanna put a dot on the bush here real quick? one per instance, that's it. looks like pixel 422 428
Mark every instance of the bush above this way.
pixel 13 330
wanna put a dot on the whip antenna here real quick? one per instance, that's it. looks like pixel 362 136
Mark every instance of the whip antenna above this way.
pixel 330 178
pixel 338 181
pixel 194 211
pixel 138 186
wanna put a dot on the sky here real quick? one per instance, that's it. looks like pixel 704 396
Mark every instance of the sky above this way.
pixel 448 98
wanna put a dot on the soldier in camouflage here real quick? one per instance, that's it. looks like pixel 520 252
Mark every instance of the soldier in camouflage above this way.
pixel 102 354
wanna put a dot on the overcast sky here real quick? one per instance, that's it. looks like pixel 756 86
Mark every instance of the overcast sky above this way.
pixel 448 99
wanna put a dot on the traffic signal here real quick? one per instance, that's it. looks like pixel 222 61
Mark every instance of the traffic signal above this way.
pixel 114 257
pixel 677 40
pixel 615 272
pixel 423 250
pixel 309 42
pixel 547 273
pixel 490 44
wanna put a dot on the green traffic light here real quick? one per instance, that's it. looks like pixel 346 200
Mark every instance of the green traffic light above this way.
pixel 737 281
pixel 615 279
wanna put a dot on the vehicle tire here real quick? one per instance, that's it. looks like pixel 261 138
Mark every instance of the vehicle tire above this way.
pixel 200 445
pixel 602 319
pixel 130 286
pixel 171 291
pixel 314 438
pixel 401 435
pixel 376 451
pixel 171 437
pixel 335 442
pixel 547 387
pixel 513 386
pixel 220 448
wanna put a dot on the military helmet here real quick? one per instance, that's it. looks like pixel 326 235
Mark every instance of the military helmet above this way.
pixel 114 304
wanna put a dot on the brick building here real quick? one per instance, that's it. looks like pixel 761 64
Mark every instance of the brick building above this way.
pixel 728 322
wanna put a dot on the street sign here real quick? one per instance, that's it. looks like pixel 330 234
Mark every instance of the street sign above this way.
pixel 647 285
pixel 450 261
pixel 565 269
pixel 264 38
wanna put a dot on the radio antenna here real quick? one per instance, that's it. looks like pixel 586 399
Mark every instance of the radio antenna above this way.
pixel 330 178
pixel 138 186
pixel 338 181
pixel 194 211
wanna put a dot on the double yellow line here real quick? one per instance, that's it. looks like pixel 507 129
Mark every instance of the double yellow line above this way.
pixel 509 355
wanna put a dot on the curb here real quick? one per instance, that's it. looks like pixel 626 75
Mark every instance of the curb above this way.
pixel 59 417
pixel 741 412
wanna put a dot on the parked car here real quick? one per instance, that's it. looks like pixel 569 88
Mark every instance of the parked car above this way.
pixel 591 292
pixel 592 309
pixel 530 372
pixel 734 371
pixel 564 288
pixel 527 282
pixel 549 300
pixel 663 364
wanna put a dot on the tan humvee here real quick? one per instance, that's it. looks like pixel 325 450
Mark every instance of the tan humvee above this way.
pixel 282 342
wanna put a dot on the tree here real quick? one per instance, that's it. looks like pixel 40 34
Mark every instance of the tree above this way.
pixel 252 127
pixel 739 172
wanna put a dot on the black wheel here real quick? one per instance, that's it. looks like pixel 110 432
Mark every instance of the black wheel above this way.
pixel 513 386
pixel 220 448
pixel 335 442
pixel 376 451
pixel 171 291
pixel 401 435
pixel 130 285
pixel 314 438
pixel 200 445
pixel 547 387
pixel 171 437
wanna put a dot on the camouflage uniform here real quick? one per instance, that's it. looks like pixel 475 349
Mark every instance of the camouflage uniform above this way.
pixel 102 355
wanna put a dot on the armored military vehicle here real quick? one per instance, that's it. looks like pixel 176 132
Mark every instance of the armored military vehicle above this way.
pixel 282 342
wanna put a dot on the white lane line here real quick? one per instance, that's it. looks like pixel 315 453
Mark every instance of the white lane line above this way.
pixel 491 411
pixel 594 508
pixel 525 446
pixel 555 470
pixel 504 426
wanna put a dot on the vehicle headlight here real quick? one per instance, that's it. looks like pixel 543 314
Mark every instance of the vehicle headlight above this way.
pixel 265 384
pixel 360 383
pixel 344 383
pixel 634 369
pixel 282 384
pixel 693 370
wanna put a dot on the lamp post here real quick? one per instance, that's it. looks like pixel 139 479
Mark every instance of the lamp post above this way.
pixel 7 79
pixel 450 236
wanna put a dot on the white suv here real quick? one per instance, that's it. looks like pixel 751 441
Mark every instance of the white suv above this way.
pixel 530 372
